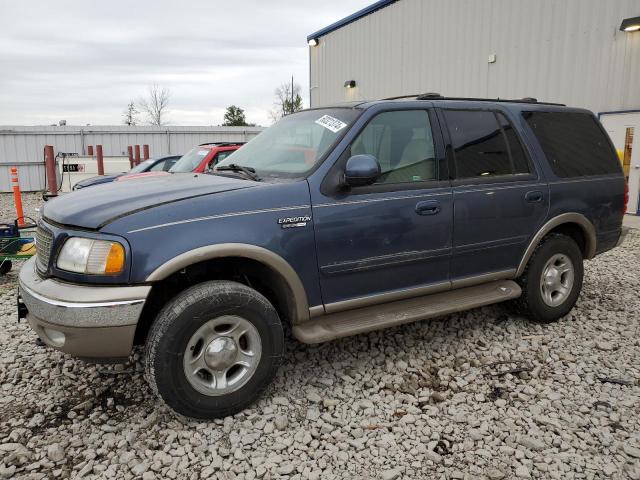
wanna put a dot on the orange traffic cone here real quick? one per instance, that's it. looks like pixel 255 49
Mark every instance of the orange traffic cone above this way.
pixel 17 197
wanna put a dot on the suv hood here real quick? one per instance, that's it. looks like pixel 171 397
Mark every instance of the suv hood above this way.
pixel 95 207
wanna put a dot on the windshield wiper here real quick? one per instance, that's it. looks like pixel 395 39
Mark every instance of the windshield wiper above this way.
pixel 248 171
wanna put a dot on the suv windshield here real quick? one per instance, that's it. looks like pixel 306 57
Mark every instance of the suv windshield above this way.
pixel 294 144
pixel 190 160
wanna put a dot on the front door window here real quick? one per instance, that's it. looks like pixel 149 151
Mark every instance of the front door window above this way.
pixel 402 142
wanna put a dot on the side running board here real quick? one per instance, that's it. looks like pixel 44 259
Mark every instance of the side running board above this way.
pixel 376 317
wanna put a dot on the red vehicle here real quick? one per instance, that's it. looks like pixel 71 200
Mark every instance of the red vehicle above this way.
pixel 204 157
pixel 199 159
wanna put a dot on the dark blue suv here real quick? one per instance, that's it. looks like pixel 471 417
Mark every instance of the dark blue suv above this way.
pixel 336 221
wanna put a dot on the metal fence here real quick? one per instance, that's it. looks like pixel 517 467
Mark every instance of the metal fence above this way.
pixel 23 146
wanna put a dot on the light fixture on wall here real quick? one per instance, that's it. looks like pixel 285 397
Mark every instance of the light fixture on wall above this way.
pixel 630 24
pixel 350 84
pixel 313 42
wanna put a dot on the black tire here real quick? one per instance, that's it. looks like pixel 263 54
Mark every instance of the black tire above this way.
pixel 180 318
pixel 531 303
pixel 5 266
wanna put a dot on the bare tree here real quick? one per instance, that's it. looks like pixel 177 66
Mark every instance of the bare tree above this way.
pixel 156 105
pixel 130 115
pixel 287 100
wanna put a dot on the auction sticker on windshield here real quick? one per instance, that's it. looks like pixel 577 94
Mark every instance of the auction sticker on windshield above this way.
pixel 331 123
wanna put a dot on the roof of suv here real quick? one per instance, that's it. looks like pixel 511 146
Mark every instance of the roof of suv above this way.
pixel 436 97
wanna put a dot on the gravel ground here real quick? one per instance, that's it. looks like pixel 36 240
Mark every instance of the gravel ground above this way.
pixel 30 201
pixel 428 400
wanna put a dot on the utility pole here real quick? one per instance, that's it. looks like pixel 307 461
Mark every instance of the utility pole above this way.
pixel 291 94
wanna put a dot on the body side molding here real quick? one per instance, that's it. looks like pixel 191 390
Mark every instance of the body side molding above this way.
pixel 244 250
pixel 587 228
pixel 386 297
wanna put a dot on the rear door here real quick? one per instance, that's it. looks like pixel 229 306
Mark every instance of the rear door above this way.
pixel 499 196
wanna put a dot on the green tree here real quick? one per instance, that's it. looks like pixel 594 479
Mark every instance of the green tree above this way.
pixel 235 117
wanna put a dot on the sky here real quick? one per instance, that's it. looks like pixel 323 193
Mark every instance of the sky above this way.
pixel 84 61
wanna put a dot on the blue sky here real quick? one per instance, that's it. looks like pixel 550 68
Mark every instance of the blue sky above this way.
pixel 84 61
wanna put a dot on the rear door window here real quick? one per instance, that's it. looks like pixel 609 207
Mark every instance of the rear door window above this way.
pixel 485 144
pixel 518 157
pixel 574 144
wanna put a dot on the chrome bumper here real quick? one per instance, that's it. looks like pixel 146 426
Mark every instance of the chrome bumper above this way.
pixel 82 320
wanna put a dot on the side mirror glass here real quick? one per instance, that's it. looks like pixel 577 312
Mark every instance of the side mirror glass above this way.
pixel 361 170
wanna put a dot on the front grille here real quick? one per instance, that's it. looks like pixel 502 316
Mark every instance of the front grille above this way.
pixel 44 240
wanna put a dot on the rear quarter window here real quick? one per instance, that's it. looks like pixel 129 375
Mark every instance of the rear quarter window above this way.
pixel 574 143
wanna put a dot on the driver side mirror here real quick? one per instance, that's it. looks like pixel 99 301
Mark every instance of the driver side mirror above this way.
pixel 361 170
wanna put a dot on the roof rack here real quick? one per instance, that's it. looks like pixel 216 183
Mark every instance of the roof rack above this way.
pixel 222 144
pixel 437 96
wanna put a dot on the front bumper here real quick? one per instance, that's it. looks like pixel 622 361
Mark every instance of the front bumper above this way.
pixel 85 321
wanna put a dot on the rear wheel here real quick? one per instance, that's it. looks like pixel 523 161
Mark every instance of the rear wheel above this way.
pixel 552 281
pixel 213 349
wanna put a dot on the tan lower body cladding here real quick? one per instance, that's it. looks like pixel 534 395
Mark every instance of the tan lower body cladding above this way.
pixel 376 317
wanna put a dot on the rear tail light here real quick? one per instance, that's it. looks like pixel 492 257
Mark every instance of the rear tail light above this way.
pixel 626 198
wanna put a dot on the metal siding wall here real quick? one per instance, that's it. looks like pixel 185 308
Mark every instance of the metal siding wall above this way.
pixel 23 146
pixel 567 51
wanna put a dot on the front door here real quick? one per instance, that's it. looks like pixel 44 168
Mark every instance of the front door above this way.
pixel 499 198
pixel 392 239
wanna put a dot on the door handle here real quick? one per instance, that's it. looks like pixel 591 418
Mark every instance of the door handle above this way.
pixel 429 207
pixel 533 197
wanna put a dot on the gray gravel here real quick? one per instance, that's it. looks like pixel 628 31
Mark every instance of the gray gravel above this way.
pixel 427 400
pixel 30 201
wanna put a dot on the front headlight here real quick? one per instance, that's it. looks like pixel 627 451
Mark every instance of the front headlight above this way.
pixel 96 257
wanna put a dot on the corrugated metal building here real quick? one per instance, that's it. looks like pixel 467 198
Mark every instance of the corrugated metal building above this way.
pixel 567 51
pixel 23 146
pixel 575 52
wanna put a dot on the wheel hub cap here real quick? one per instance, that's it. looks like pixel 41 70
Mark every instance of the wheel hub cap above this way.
pixel 557 279
pixel 222 355
pixel 552 278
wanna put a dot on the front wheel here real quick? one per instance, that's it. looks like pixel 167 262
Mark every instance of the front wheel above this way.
pixel 213 349
pixel 552 281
